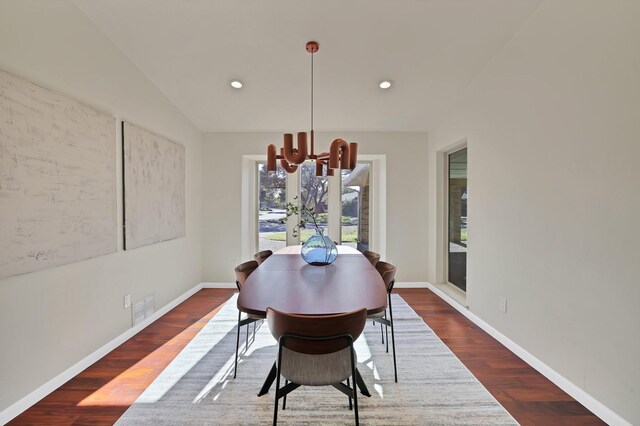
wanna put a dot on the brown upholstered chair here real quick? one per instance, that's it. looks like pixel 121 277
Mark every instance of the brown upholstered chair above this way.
pixel 263 255
pixel 316 350
pixel 372 256
pixel 388 273
pixel 242 273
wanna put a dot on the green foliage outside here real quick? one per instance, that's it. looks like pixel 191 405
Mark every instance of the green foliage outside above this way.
pixel 348 235
pixel 346 220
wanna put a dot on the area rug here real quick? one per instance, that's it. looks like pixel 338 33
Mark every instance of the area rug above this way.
pixel 434 387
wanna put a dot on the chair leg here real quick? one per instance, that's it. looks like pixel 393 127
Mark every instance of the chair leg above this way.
pixel 355 392
pixel 275 410
pixel 381 334
pixel 349 385
pixel 235 365
pixel 386 331
pixel 362 385
pixel 284 398
pixel 269 380
pixel 246 343
pixel 393 341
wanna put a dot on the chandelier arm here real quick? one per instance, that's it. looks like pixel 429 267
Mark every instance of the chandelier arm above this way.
pixel 339 157
pixel 295 156
pixel 353 155
pixel 271 158
pixel 289 168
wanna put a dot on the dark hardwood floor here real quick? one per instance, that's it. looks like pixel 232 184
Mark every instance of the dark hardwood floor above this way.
pixel 102 392
pixel 530 397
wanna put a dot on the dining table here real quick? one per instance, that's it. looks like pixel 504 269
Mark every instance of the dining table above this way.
pixel 284 281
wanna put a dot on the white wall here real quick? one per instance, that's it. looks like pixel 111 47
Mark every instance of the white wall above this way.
pixel 51 319
pixel 553 127
pixel 406 196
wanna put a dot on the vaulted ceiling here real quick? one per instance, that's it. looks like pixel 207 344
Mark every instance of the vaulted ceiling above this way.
pixel 191 49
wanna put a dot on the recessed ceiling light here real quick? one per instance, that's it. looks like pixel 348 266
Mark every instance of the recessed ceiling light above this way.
pixel 385 84
pixel 236 84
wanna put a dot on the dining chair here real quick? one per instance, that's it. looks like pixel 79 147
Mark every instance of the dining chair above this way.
pixel 316 350
pixel 261 256
pixel 388 273
pixel 242 273
pixel 371 256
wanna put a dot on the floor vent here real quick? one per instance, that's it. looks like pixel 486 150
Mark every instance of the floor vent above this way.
pixel 143 308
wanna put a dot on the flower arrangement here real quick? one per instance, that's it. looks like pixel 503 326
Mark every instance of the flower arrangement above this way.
pixel 305 215
pixel 318 250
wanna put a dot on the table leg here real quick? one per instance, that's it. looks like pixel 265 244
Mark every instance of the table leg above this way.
pixel 269 380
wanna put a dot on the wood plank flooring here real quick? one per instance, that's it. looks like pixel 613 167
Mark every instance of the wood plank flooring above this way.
pixel 103 392
pixel 530 397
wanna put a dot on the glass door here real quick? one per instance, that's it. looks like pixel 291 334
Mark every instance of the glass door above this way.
pixel 457 212
pixel 355 195
pixel 314 193
pixel 272 197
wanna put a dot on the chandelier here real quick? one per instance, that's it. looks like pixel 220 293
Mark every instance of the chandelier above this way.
pixel 341 155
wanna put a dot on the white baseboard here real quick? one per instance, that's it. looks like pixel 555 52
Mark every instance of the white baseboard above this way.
pixel 24 403
pixel 218 285
pixel 576 392
pixel 407 284
pixel 410 284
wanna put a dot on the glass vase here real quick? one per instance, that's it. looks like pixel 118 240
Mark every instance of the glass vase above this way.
pixel 319 250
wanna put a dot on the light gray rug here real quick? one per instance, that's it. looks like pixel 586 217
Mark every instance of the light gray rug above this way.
pixel 434 387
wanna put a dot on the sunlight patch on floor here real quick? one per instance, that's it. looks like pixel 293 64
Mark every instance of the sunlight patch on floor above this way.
pixel 126 387
pixel 225 322
pixel 365 357
pixel 225 373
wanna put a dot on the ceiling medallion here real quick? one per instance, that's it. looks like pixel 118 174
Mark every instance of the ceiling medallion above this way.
pixel 341 155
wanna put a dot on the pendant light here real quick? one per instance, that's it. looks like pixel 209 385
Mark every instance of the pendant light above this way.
pixel 341 155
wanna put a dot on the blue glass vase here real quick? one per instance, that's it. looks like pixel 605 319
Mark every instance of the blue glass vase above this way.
pixel 319 250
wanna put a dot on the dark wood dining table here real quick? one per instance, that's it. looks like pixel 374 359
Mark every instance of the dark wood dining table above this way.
pixel 287 283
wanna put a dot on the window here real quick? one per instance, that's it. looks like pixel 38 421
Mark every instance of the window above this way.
pixel 272 197
pixel 355 196
pixel 457 219
pixel 264 197
pixel 314 193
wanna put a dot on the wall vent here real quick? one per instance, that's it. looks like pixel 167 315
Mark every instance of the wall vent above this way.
pixel 143 309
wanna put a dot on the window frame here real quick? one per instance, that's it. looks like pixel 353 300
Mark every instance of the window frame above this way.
pixel 257 209
pixel 442 220
pixel 250 210
pixel 371 210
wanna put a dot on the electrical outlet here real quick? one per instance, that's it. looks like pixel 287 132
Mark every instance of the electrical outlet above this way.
pixel 127 301
pixel 503 304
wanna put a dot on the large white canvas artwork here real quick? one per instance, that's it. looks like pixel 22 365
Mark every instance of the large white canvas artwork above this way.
pixel 154 187
pixel 57 179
